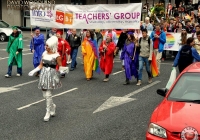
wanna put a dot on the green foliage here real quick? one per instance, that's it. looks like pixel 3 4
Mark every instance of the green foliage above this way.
pixel 158 9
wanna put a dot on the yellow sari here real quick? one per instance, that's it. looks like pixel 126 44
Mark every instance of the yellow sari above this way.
pixel 88 58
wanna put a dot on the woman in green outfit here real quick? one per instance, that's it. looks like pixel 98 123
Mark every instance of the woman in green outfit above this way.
pixel 14 50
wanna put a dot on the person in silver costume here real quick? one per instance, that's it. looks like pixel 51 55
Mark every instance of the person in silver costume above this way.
pixel 49 77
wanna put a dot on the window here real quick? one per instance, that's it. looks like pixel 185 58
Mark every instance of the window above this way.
pixel 3 24
pixel 27 13
pixel 78 2
pixel 187 88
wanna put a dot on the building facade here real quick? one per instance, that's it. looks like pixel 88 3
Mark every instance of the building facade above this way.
pixel 22 17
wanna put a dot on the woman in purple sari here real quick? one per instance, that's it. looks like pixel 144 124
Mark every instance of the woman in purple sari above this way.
pixel 130 57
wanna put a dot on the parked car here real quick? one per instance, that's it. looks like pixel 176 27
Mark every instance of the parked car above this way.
pixel 5 30
pixel 177 116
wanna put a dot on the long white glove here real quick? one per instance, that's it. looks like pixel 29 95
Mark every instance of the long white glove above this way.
pixel 31 73
pixel 63 70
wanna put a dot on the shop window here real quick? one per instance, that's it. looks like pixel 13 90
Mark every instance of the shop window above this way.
pixel 135 1
pixel 121 1
pixel 78 2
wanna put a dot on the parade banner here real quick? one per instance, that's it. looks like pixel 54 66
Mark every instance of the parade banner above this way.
pixel 173 41
pixel 101 16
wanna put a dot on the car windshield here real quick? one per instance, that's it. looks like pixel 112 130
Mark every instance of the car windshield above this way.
pixel 3 24
pixel 187 88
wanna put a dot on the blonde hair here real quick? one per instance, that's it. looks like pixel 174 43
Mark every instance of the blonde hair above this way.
pixel 52 43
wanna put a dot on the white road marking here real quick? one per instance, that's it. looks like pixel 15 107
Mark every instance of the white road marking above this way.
pixel 141 89
pixel 27 53
pixel 22 54
pixel 19 85
pixel 116 101
pixel 118 72
pixel 79 57
pixel 26 106
pixel 7 89
pixel 22 50
pixel 12 88
pixel 3 58
pixel 3 43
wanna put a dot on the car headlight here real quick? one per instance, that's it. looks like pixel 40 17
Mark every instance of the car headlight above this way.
pixel 157 130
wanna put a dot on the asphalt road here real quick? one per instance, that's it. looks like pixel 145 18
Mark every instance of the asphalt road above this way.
pixel 22 108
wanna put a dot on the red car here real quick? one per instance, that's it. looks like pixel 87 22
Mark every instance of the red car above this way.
pixel 177 117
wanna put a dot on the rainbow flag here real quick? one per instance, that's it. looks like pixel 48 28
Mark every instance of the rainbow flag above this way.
pixel 117 33
pixel 154 68
pixel 96 66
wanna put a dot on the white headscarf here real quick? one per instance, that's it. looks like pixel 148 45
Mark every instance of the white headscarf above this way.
pixel 52 43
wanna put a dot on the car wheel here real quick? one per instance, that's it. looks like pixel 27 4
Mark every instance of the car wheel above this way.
pixel 2 37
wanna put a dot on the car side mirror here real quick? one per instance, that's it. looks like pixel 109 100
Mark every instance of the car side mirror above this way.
pixel 162 91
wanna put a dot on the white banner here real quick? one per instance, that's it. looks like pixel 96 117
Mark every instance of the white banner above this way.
pixel 173 41
pixel 101 16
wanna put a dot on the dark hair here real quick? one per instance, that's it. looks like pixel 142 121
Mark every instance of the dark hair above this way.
pixel 198 33
pixel 145 30
pixel 198 26
pixel 190 40
pixel 91 34
pixel 16 34
pixel 132 37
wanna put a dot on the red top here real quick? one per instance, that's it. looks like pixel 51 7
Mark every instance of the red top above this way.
pixel 106 61
pixel 156 41
pixel 63 49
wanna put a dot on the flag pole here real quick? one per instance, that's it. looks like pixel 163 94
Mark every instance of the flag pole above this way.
pixel 63 45
pixel 32 39
pixel 46 34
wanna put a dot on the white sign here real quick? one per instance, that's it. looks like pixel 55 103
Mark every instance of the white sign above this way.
pixel 101 16
pixel 173 41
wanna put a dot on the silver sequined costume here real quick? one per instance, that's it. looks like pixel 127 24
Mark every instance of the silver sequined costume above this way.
pixel 49 76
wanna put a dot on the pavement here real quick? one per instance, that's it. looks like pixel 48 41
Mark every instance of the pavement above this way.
pixel 86 110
